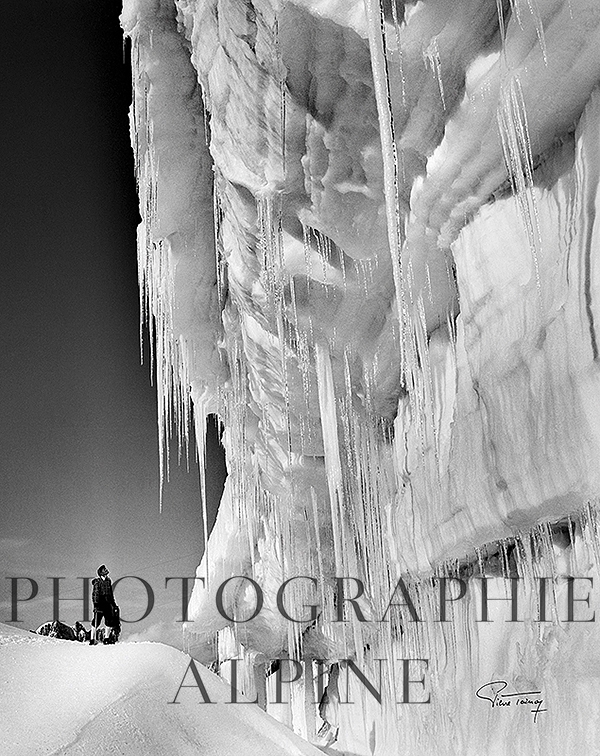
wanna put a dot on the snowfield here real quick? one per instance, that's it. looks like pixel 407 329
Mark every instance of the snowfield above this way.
pixel 62 697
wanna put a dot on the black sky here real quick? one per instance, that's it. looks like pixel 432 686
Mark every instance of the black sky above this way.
pixel 78 438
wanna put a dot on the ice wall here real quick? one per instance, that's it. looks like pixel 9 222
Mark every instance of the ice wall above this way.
pixel 368 246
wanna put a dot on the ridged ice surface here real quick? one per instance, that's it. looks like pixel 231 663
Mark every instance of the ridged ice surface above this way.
pixel 368 244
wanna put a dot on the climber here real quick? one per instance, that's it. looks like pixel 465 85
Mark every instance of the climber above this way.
pixel 104 605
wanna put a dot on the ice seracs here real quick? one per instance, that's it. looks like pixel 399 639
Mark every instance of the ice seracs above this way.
pixel 368 245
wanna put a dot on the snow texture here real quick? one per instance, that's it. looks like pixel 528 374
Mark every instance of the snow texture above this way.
pixel 368 245
pixel 61 697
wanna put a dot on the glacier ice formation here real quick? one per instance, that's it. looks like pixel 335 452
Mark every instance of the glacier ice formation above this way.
pixel 367 246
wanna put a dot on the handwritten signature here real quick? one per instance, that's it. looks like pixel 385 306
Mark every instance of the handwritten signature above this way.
pixel 493 692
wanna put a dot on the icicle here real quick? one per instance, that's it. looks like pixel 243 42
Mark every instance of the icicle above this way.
pixel 168 356
pixel 281 77
pixel 501 21
pixel 432 55
pixel 271 251
pixel 376 28
pixel 397 23
pixel 200 419
pixel 516 143
pixel 220 263
pixel 412 346
pixel 539 27
pixel 332 450
pixel 306 232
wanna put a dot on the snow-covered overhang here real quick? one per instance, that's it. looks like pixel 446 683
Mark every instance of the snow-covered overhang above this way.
pixel 368 246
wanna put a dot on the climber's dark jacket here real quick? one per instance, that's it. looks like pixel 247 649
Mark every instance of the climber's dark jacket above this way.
pixel 102 593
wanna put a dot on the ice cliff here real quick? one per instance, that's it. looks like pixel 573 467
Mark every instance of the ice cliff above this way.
pixel 368 245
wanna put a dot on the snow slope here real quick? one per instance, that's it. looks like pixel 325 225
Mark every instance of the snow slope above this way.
pixel 61 697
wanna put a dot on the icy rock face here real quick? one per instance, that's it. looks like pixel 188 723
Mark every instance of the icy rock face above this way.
pixel 368 246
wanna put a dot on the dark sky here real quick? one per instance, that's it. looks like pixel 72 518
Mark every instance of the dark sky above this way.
pixel 78 437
